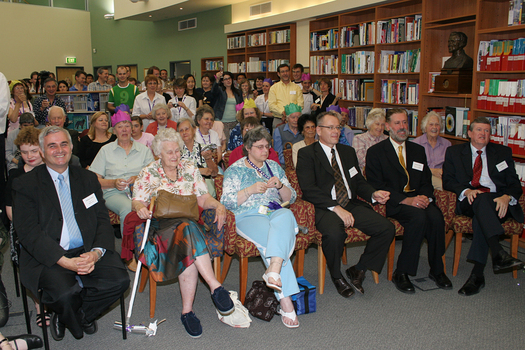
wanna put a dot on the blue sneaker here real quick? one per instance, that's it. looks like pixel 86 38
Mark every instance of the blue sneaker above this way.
pixel 223 302
pixel 192 324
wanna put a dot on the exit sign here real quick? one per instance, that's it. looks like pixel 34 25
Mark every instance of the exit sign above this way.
pixel 71 60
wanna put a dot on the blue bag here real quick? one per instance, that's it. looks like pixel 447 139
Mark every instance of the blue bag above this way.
pixel 304 301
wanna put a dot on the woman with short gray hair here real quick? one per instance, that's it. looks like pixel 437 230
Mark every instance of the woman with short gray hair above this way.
pixel 375 123
pixel 205 135
pixel 162 116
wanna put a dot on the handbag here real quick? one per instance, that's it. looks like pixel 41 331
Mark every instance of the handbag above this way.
pixel 304 301
pixel 261 301
pixel 172 206
pixel 240 318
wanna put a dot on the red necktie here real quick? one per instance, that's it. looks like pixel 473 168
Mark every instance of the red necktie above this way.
pixel 478 166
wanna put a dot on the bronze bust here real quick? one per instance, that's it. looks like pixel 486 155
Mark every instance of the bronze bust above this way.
pixel 459 60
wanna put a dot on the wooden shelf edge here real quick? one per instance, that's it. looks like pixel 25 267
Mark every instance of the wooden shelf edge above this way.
pixel 501 72
pixel 394 17
pixel 400 43
pixel 437 94
pixel 502 29
pixel 498 112
pixel 445 25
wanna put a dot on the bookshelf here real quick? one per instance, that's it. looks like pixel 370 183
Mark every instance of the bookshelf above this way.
pixel 261 51
pixel 211 64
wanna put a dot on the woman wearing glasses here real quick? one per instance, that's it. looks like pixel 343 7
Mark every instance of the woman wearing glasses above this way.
pixel 254 188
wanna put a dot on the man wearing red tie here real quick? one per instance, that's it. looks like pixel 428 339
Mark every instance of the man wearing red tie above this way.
pixel 483 176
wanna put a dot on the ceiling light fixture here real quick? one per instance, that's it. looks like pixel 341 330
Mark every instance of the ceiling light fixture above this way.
pixel 109 16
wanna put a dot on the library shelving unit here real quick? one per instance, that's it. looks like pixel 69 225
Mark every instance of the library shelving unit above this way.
pixel 211 65
pixel 259 52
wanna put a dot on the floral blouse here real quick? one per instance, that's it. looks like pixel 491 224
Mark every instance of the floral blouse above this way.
pixel 194 155
pixel 238 176
pixel 153 178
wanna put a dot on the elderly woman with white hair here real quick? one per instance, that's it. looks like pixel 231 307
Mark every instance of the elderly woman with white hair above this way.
pixel 435 146
pixel 162 116
pixel 183 252
pixel 375 124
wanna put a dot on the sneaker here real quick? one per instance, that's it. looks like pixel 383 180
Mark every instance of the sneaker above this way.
pixel 223 302
pixel 192 324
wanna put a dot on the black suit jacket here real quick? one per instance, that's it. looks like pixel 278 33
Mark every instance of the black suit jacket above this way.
pixel 384 171
pixel 457 172
pixel 37 217
pixel 316 176
pixel 326 103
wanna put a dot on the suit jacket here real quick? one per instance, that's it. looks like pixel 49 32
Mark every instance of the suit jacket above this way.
pixel 457 172
pixel 316 176
pixel 37 217
pixel 384 171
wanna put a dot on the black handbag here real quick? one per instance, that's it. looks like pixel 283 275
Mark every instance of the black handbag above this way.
pixel 261 301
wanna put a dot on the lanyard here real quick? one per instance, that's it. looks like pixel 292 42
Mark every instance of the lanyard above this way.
pixel 259 170
pixel 149 104
pixel 183 98
pixel 202 136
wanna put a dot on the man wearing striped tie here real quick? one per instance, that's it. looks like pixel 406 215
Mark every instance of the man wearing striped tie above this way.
pixel 67 244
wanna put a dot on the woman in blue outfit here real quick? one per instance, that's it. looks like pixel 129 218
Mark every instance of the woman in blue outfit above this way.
pixel 254 188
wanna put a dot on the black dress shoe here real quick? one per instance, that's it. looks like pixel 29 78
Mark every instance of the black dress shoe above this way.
pixel 356 278
pixel 504 261
pixel 58 329
pixel 442 281
pixel 32 341
pixel 472 286
pixel 343 287
pixel 90 328
pixel 402 283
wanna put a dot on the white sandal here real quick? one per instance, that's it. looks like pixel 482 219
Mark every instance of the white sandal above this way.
pixel 291 315
pixel 266 277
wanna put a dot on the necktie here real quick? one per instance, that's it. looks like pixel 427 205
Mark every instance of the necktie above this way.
pixel 402 162
pixel 341 193
pixel 476 173
pixel 75 237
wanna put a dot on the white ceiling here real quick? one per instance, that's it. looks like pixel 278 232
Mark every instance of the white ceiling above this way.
pixel 188 7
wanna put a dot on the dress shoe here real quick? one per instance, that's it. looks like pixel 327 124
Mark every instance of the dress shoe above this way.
pixel 402 283
pixel 90 328
pixel 504 261
pixel 356 278
pixel 442 281
pixel 343 287
pixel 58 329
pixel 472 286
pixel 32 341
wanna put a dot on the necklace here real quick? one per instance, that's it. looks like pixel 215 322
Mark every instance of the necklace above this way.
pixel 259 171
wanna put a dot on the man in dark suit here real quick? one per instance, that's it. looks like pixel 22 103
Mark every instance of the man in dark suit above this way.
pixel 483 176
pixel 401 168
pixel 67 244
pixel 331 180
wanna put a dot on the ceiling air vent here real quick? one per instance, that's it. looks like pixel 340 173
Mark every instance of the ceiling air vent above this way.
pixel 188 24
pixel 261 9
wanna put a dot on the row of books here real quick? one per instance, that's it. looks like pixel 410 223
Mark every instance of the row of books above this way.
pixel 279 36
pixel 520 170
pixel 400 61
pixel 502 95
pixel 510 131
pixel 455 120
pixel 273 64
pixel 237 42
pixel 325 40
pixel 400 91
pixel 257 39
pixel 254 65
pixel 516 12
pixel 324 64
pixel 501 55
pixel 360 62
pixel 237 67
pixel 214 65
pixel 357 89
pixel 397 30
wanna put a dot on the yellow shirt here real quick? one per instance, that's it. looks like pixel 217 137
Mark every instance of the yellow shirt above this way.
pixel 281 95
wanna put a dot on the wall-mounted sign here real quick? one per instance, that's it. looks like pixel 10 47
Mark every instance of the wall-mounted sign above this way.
pixel 71 60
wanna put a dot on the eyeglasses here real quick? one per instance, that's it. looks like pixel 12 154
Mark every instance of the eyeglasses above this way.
pixel 226 78
pixel 261 147
pixel 331 127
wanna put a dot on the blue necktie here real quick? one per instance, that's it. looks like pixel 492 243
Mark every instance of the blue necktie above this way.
pixel 75 237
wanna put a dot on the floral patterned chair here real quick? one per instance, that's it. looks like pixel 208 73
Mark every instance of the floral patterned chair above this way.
pixel 287 154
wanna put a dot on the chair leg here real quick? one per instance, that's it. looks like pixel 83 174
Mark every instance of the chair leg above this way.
pixel 243 277
pixel 217 267
pixel 344 256
pixel 26 310
pixel 457 252
pixel 15 275
pixel 152 296
pixel 123 317
pixel 321 268
pixel 43 318
pixel 298 264
pixel 225 267
pixel 375 275
pixel 390 259
pixel 514 251
pixel 143 278
pixel 448 239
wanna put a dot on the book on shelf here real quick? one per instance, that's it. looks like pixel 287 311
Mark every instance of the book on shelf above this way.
pixel 398 30
pixel 273 64
pixel 502 95
pixel 324 64
pixel 501 55
pixel 432 81
pixel 400 61
pixel 257 39
pixel 349 36
pixel 360 62
pixel 237 67
pixel 324 40
pixel 400 91
pixel 357 89
pixel 516 12
pixel 511 132
pixel 214 65
pixel 254 65
pixel 279 36
pixel 357 116
pixel 238 42
pixel 367 33
pixel 456 121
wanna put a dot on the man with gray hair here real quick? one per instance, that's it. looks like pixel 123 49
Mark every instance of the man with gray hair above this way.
pixel 57 116
pixel 67 244
pixel 101 83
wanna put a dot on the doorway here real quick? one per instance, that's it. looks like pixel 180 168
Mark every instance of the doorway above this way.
pixel 67 74
pixel 179 69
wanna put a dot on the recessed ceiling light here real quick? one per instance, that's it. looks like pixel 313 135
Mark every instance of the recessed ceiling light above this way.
pixel 180 9
pixel 150 16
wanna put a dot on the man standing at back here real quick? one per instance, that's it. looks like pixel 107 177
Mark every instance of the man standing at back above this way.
pixel 80 82
pixel 123 92
pixel 49 99
pixel 101 83
pixel 67 244
pixel 283 93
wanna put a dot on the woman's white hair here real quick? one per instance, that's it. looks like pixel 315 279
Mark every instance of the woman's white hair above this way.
pixel 374 115
pixel 165 135
pixel 424 122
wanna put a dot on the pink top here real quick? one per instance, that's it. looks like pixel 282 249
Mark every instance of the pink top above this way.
pixel 23 109
pixel 146 139
pixel 237 154
pixel 362 143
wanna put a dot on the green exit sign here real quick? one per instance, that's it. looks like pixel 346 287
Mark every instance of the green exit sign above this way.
pixel 71 60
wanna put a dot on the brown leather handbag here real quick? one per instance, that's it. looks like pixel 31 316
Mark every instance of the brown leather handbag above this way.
pixel 171 206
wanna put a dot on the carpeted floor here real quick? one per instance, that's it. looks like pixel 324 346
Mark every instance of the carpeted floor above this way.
pixel 382 318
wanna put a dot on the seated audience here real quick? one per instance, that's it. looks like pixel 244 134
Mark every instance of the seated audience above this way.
pixel 246 90
pixel 375 125
pixel 112 79
pixel 262 104
pixel 191 91
pixel 63 86
pixel 347 135
pixel 155 71
pixel 97 136
pixel 308 94
pixel 57 117
pixel 185 255
pixel 162 115
pixel 306 125
pixel 12 152
pixel 89 78
pixel 117 165
pixel 49 99
pixel 258 86
pixel 101 84
pixel 287 132
pixel 248 124
pixel 80 82
pixel 208 138
pixel 182 105
pixel 435 146
pixel 138 135
pixel 244 110
pixel 346 129
pixel 250 184
pixel 145 102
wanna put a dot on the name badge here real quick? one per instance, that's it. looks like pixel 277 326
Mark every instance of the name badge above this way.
pixel 90 200
pixel 353 171
pixel 263 210
pixel 502 166
pixel 417 166
pixel 318 100
pixel 293 92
